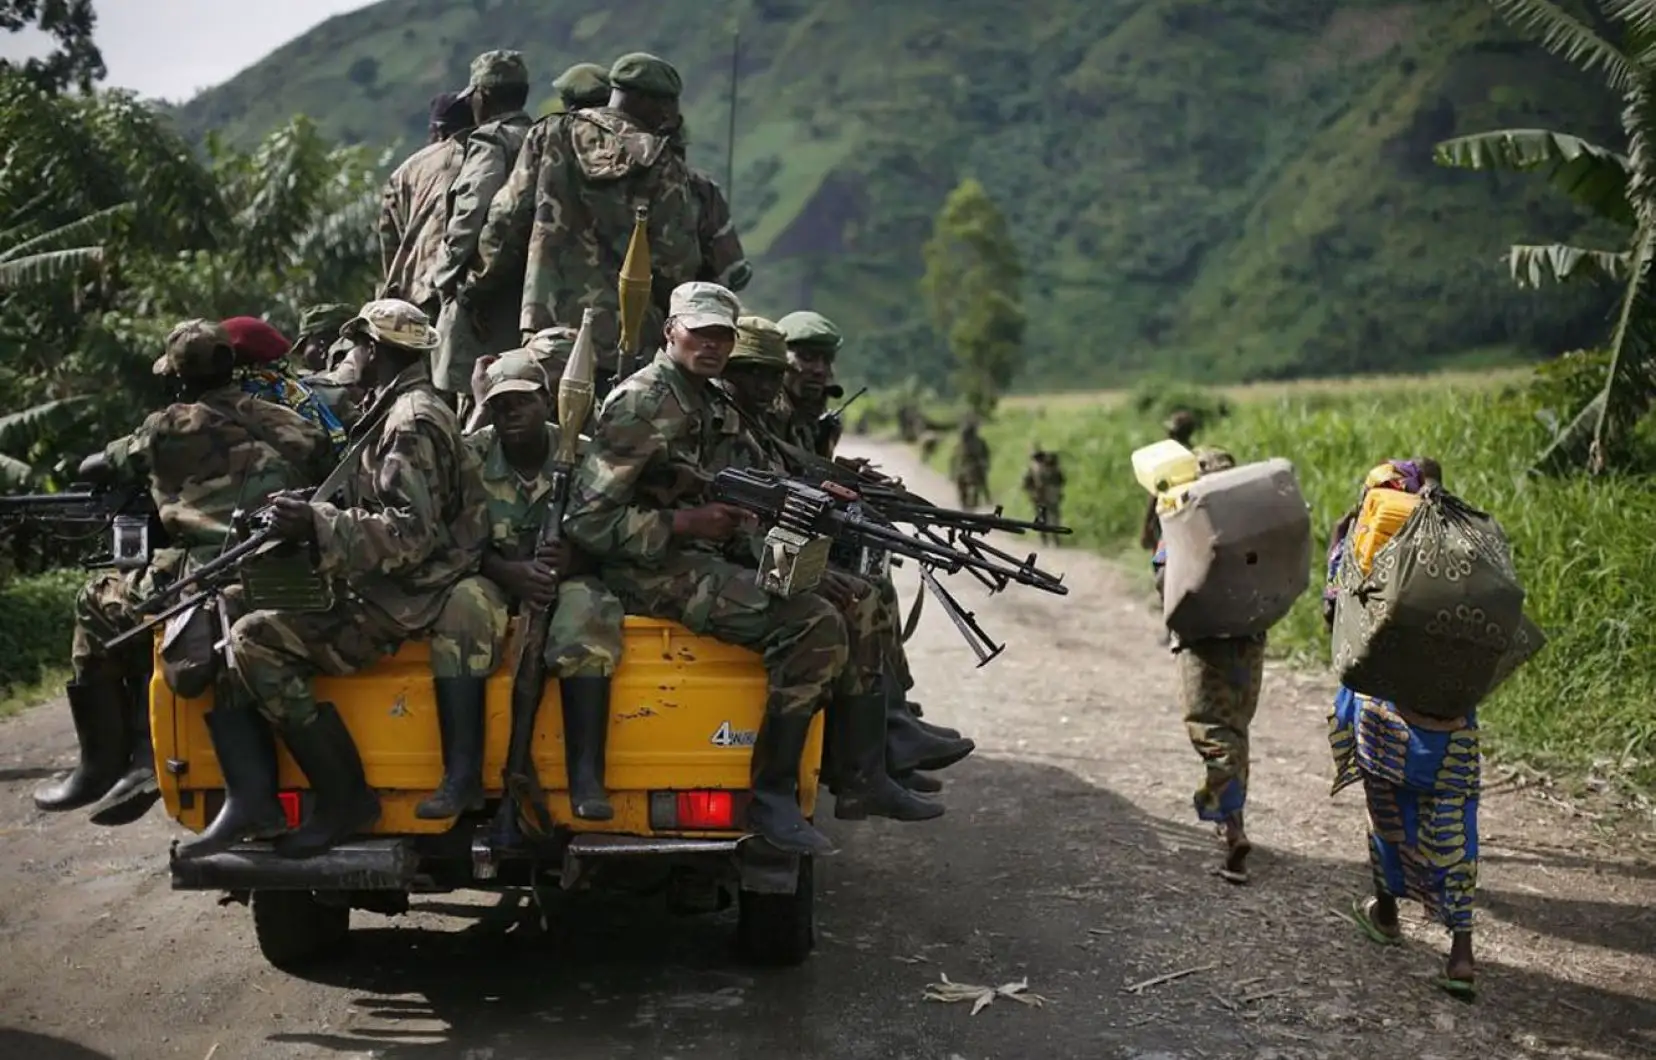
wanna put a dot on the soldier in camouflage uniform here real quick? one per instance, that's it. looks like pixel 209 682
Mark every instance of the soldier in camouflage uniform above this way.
pixel 1043 484
pixel 407 526
pixel 472 325
pixel 969 465
pixel 583 85
pixel 583 644
pixel 414 219
pixel 1219 685
pixel 450 116
pixel 219 450
pixel 261 353
pixel 559 228
pixel 724 262
pixel 813 344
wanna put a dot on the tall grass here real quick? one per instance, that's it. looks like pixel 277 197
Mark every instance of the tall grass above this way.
pixel 1583 547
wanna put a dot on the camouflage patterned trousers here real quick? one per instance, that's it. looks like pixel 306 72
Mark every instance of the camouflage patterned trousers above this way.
pixel 279 652
pixel 873 633
pixel 583 638
pixel 1219 684
pixel 803 639
pixel 896 662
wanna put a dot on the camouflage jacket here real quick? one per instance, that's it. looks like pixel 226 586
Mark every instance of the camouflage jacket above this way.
pixel 1043 484
pixel 490 154
pixel 596 167
pixel 411 519
pixel 293 393
pixel 516 505
pixel 746 442
pixel 414 219
pixel 724 261
pixel 970 458
pixel 224 451
pixel 503 244
pixel 657 435
pixel 801 429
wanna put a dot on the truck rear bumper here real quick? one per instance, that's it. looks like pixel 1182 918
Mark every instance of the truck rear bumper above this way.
pixel 360 865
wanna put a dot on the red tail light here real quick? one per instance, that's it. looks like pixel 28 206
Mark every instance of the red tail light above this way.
pixel 290 807
pixel 713 811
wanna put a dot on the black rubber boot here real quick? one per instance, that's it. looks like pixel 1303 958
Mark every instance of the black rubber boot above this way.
pixel 924 783
pixel 460 724
pixel 774 812
pixel 586 729
pixel 344 803
pixel 897 702
pixel 865 788
pixel 95 705
pixel 137 790
pixel 246 750
pixel 909 747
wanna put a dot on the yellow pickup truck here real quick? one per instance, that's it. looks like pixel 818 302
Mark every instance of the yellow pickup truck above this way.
pixel 684 714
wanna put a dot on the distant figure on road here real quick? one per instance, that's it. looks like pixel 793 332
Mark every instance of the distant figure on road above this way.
pixel 1043 484
pixel 969 466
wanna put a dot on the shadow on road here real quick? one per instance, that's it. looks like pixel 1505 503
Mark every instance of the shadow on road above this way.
pixel 1033 873
pixel 26 1046
pixel 8 776
pixel 1612 926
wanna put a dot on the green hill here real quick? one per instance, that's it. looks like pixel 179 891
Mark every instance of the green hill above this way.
pixel 1233 189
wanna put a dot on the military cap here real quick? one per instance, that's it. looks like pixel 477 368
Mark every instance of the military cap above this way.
pixel 255 341
pixel 192 349
pixel 552 347
pixel 805 328
pixel 648 76
pixel 319 321
pixel 496 69
pixel 450 113
pixel 516 371
pixel 1210 459
pixel 583 85
pixel 699 304
pixel 759 341
pixel 393 322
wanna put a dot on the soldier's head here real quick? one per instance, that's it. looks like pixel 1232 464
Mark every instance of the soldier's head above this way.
pixel 255 341
pixel 519 396
pixel 1181 426
pixel 450 116
pixel 499 85
pixel 319 335
pixel 393 334
pixel 646 89
pixel 197 356
pixel 701 327
pixel 813 344
pixel 583 86
pixel 552 347
pixel 758 363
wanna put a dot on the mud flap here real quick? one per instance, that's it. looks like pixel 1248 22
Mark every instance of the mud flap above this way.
pixel 765 869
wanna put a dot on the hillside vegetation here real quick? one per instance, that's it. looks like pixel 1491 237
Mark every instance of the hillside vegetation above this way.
pixel 1235 189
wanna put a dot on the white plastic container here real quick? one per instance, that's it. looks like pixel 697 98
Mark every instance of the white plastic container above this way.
pixel 1164 466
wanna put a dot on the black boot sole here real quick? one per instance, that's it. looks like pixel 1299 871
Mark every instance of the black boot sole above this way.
pixel 933 763
pixel 128 811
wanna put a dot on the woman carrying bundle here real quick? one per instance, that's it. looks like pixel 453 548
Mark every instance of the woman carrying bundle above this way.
pixel 1420 775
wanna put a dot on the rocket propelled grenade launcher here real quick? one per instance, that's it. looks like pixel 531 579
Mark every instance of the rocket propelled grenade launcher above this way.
pixel 635 291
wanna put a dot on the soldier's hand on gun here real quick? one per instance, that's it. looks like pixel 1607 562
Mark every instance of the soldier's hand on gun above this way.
pixel 841 590
pixel 292 518
pixel 710 522
pixel 535 581
pixel 556 555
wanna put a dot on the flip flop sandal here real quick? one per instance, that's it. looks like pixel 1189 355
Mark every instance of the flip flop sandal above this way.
pixel 1459 989
pixel 1241 879
pixel 1360 916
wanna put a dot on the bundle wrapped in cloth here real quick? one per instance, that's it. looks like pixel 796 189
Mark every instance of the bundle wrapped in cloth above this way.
pixel 1431 616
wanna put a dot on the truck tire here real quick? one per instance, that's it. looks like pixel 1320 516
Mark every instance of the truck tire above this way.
pixel 295 930
pixel 778 930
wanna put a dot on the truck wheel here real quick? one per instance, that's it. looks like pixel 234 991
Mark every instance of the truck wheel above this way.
pixel 778 930
pixel 295 930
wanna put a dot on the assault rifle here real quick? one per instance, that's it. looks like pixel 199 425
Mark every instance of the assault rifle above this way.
pixel 806 521
pixel 831 423
pixel 128 512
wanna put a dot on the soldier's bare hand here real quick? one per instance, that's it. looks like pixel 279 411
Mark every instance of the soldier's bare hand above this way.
pixel 841 590
pixel 534 582
pixel 292 518
pixel 710 522
pixel 557 555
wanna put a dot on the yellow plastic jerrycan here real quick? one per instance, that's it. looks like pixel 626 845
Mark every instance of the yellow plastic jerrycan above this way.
pixel 1164 466
pixel 1383 514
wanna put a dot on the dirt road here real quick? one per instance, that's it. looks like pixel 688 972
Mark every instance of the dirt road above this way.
pixel 1069 856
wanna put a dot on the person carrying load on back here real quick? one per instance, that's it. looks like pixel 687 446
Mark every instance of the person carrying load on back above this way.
pixel 1420 776
pixel 407 525
pixel 1219 685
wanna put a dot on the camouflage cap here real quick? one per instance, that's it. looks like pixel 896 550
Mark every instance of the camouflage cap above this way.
pixel 583 85
pixel 393 322
pixel 1210 459
pixel 759 341
pixel 647 75
pixel 192 349
pixel 324 319
pixel 699 304
pixel 496 69
pixel 516 371
pixel 552 347
pixel 806 328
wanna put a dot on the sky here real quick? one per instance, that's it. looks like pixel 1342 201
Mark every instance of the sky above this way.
pixel 172 49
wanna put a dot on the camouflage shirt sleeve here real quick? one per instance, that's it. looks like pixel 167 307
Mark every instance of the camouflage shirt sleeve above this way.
pixel 482 173
pixel 297 440
pixel 414 463
pixel 605 515
pixel 503 242
pixel 723 259
pixel 390 227
pixel 128 456
pixel 675 240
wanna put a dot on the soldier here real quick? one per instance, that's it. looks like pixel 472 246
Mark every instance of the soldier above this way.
pixel 813 344
pixel 319 339
pixel 414 219
pixel 550 348
pixel 969 465
pixel 407 526
pixel 594 167
pixel 218 451
pixel 472 325
pixel 260 353
pixel 451 117
pixel 583 85
pixel 1043 484
pixel 724 261
pixel 583 644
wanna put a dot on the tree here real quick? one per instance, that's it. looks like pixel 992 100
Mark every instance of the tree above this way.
pixel 1619 186
pixel 973 286
pixel 76 62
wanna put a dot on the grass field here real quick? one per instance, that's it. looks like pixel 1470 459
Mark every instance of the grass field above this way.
pixel 1582 546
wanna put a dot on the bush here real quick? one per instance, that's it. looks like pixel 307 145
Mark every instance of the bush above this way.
pixel 37 617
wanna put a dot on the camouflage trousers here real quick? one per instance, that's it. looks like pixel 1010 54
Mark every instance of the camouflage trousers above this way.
pixel 1219 683
pixel 279 652
pixel 583 638
pixel 803 639
pixel 896 660
pixel 872 635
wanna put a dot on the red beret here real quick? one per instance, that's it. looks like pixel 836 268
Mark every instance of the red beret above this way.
pixel 255 341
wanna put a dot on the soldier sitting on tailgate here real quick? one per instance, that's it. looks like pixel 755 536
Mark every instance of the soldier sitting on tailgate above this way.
pixel 219 450
pixel 813 343
pixel 583 646
pixel 406 527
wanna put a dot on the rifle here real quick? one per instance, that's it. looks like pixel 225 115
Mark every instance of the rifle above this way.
pixel 832 421
pixel 520 778
pixel 128 512
pixel 806 521
pixel 634 291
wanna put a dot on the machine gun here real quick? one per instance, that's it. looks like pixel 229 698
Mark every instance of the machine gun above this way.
pixel 127 512
pixel 806 521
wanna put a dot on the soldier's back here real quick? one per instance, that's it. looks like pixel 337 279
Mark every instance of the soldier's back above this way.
pixel 419 190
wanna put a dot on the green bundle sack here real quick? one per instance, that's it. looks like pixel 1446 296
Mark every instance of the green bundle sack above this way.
pixel 1439 621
